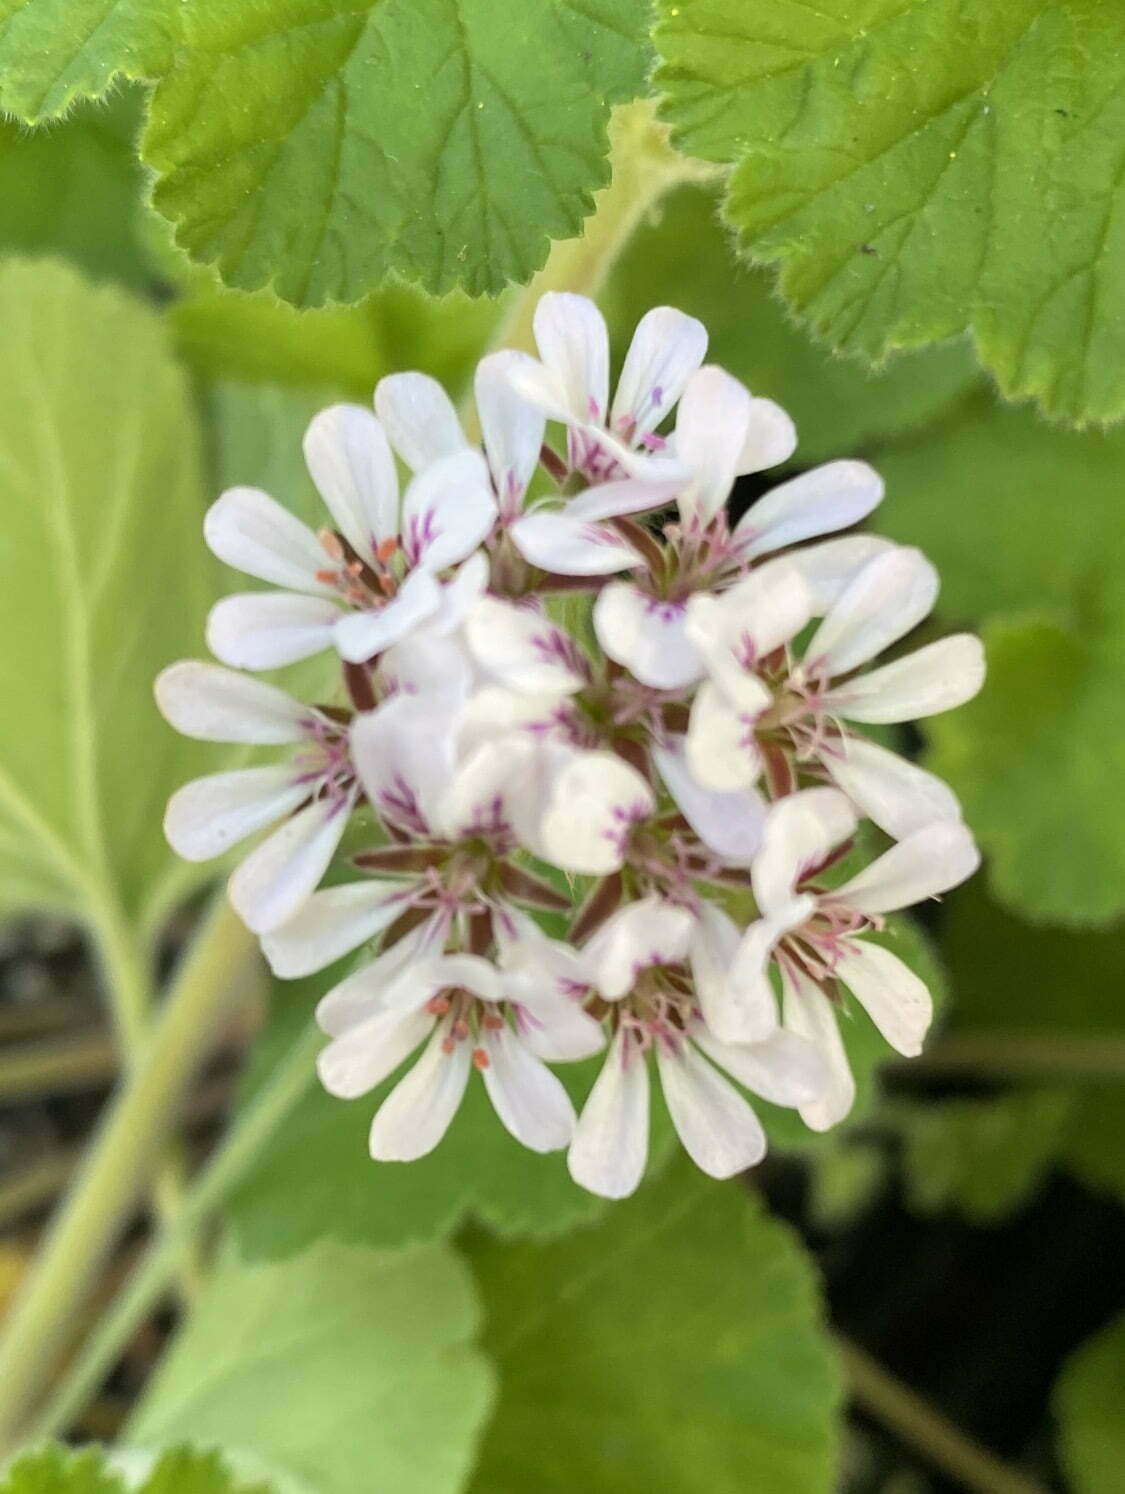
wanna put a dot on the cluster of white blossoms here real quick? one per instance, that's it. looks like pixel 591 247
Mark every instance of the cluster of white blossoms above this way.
pixel 673 788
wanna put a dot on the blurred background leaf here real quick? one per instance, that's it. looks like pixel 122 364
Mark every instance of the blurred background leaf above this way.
pixel 1088 1407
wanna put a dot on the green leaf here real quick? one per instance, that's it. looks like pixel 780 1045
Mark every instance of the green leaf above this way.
pixel 1087 1404
pixel 54 51
pixel 1035 759
pixel 981 1158
pixel 75 190
pixel 678 1345
pixel 685 258
pixel 347 1370
pixel 180 1470
pixel 1094 1148
pixel 318 145
pixel 918 167
pixel 845 1177
pixel 106 580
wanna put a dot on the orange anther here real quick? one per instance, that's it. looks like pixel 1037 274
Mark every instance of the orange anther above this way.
pixel 330 544
pixel 491 1022
pixel 447 1045
pixel 387 583
pixel 386 549
pixel 480 1058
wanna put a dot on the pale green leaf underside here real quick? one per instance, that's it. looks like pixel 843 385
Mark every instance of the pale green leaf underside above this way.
pixel 1087 1406
pixel 181 1470
pixel 106 580
pixel 678 1345
pixel 349 1371
pixel 317 145
pixel 922 166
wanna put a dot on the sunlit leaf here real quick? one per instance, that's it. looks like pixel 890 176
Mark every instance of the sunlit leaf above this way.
pixel 180 1470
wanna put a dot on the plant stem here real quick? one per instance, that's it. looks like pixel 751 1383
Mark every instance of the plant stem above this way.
pixel 917 1424
pixel 1004 1054
pixel 157 1266
pixel 120 1161
pixel 61 1065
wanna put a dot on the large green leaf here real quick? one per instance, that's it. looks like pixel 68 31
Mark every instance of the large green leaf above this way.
pixel 679 1345
pixel 317 145
pixel 685 257
pixel 181 1470
pixel 350 1371
pixel 105 581
pixel 922 166
pixel 1088 1411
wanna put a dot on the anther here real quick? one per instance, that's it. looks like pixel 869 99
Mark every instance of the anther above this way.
pixel 480 1058
pixel 386 549
pixel 330 544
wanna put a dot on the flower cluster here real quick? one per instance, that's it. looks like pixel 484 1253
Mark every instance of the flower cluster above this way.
pixel 678 780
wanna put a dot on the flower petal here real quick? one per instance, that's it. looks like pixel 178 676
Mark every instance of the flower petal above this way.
pixel 267 629
pixel 248 530
pixel 736 631
pixel 932 860
pixel 930 680
pixel 783 1068
pixel 573 343
pixel 741 1015
pixel 722 751
pixel 522 648
pixel 448 509
pixel 647 635
pixel 209 815
pixel 595 801
pixel 729 823
pixel 610 1146
pixel 829 567
pixel 279 876
pixel 403 753
pixel 333 923
pixel 750 997
pixel 895 999
pixel 808 1014
pixel 569 546
pixel 899 796
pixel 399 979
pixel 711 430
pixel 419 418
pixel 720 1132
pixel 888 597
pixel 820 501
pixel 349 457
pixel 639 936
pixel 800 831
pixel 771 437
pixel 361 635
pixel 529 1100
pixel 365 1054
pixel 416 1114
pixel 214 704
pixel 512 428
pixel 666 350
pixel 628 495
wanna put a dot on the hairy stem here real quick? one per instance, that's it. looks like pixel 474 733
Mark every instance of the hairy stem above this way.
pixel 919 1426
pixel 120 1162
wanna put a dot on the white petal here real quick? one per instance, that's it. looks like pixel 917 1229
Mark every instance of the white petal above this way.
pixel 722 750
pixel 529 1100
pixel 461 593
pixel 736 1015
pixel 610 1145
pixel 628 495
pixel 817 502
pixel 478 798
pixel 666 350
pixel 809 1014
pixel 783 1068
pixel 571 336
pixel 417 1112
pixel 930 680
pixel 895 999
pixel 568 546
pixel 426 662
pixel 596 800
pixel 447 511
pixel 720 1133
pixel 888 597
pixel 349 458
pixel 209 815
pixel 332 923
pixel 729 823
pixel 246 529
pixel 771 437
pixel 522 648
pixel 365 1054
pixel 897 795
pixel 382 984
pixel 419 418
pixel 637 937
pixel 361 635
pixel 278 876
pixel 734 632
pixel 217 705
pixel 831 566
pixel 267 629
pixel 801 830
pixel 512 428
pixel 468 972
pixel 647 635
pixel 495 712
pixel 711 430
pixel 403 753
pixel 750 998
pixel 932 860
pixel 559 1031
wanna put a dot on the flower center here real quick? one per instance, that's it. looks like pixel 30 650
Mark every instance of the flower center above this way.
pixel 360 583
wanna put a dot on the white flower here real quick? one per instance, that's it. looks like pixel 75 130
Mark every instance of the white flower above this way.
pixel 468 1013
pixel 816 935
pixel 314 792
pixel 369 582
pixel 638 962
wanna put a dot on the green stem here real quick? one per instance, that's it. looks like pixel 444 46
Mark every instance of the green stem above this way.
pixel 157 1266
pixel 61 1065
pixel 1004 1054
pixel 915 1423
pixel 121 1160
